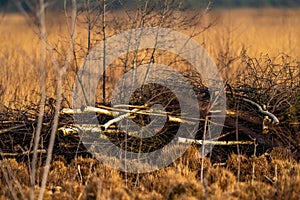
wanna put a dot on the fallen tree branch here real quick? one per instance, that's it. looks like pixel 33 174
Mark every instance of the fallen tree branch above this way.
pixel 205 142
pixel 89 109
pixel 115 112
pixel 72 130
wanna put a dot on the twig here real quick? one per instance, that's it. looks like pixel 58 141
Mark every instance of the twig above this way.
pixel 11 128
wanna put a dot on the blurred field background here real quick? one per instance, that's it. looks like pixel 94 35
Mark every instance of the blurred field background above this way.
pixel 257 32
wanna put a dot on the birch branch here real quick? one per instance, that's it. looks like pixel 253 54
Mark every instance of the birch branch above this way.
pixel 89 109
pixel 262 111
pixel 259 107
pixel 73 129
pixel 119 117
pixel 205 142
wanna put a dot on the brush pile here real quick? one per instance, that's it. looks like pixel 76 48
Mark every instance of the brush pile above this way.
pixel 262 108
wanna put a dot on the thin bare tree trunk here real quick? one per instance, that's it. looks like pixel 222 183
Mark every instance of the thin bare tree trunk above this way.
pixel 37 134
pixel 60 72
pixel 104 51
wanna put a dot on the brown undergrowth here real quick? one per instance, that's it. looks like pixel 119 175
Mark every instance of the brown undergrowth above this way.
pixel 268 176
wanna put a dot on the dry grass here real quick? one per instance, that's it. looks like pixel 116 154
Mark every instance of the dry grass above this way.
pixel 85 178
pixel 257 31
pixel 267 31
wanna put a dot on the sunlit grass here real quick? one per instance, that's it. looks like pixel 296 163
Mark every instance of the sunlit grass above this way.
pixel 261 31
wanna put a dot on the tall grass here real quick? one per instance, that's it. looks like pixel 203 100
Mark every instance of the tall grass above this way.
pixel 262 31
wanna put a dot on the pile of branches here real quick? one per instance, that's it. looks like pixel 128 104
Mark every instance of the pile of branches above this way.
pixel 262 108
pixel 18 127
